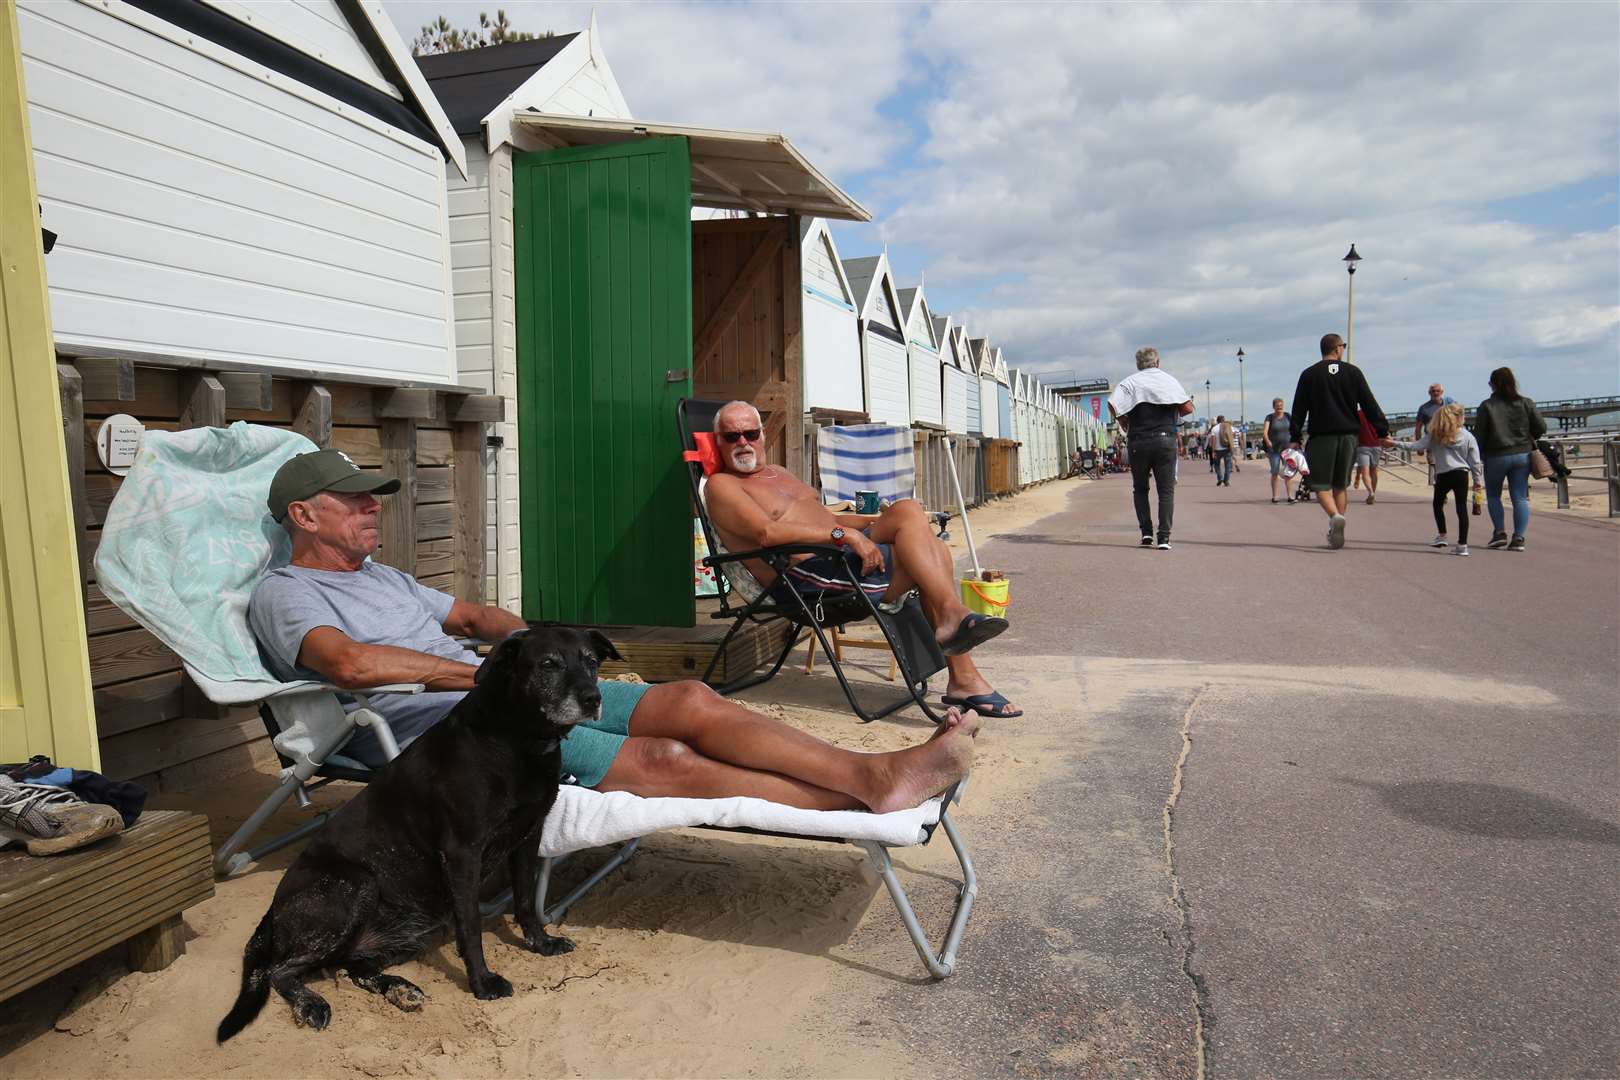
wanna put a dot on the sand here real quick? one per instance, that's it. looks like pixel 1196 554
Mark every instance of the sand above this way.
pixel 708 955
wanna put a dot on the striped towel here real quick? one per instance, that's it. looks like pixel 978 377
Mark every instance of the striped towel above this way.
pixel 869 457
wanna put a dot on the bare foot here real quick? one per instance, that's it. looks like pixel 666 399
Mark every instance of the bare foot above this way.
pixel 920 773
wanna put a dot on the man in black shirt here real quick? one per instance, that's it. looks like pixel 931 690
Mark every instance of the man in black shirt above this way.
pixel 1148 405
pixel 1325 403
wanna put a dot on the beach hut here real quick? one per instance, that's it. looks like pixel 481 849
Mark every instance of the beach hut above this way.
pixel 262 184
pixel 922 359
pixel 832 339
pixel 603 303
pixel 480 89
pixel 957 378
pixel 883 343
pixel 1003 380
pixel 1019 391
pixel 250 205
pixel 985 372
pixel 968 364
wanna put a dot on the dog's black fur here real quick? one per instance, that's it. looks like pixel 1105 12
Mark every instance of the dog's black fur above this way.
pixel 407 855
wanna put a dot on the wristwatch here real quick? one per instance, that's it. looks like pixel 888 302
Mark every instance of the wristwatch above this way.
pixel 838 535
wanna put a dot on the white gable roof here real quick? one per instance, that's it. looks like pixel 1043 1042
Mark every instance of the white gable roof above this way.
pixel 815 231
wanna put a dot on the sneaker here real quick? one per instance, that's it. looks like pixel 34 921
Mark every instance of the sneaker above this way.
pixel 1335 535
pixel 1516 544
pixel 1164 545
pixel 1439 540
pixel 1274 499
pixel 1147 541
pixel 51 819
pixel 1460 549
pixel 1498 540
pixel 1371 498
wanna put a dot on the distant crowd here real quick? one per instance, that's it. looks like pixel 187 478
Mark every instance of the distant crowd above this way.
pixel 1331 441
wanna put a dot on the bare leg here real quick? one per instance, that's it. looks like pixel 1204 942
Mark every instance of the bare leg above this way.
pixel 922 561
pixel 1341 499
pixel 686 740
pixel 1329 501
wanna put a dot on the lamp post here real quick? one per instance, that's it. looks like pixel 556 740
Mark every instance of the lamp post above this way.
pixel 1208 409
pixel 1350 261
pixel 1243 396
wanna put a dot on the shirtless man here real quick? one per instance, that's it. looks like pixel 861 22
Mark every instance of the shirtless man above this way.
pixel 755 505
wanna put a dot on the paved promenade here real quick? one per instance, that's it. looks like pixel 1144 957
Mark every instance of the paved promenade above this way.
pixel 1393 831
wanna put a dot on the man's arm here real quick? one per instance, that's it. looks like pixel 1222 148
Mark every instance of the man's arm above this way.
pixel 346 663
pixel 1301 410
pixel 481 621
pixel 1369 405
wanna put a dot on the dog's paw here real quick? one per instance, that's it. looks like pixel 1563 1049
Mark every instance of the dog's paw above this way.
pixel 405 996
pixel 548 945
pixel 490 987
pixel 312 1012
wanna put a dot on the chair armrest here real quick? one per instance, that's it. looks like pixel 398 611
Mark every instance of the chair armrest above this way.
pixel 328 688
pixel 779 550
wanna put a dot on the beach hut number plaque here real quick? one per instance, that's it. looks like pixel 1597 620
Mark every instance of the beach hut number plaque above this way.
pixel 118 440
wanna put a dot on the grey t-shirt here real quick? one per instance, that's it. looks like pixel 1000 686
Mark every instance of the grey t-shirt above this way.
pixel 1279 427
pixel 375 604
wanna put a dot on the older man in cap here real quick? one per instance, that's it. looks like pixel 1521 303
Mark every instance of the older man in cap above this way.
pixel 333 614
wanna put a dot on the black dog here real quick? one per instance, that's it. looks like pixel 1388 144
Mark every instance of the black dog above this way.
pixel 408 854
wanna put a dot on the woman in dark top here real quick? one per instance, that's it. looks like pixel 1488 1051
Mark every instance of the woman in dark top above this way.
pixel 1507 425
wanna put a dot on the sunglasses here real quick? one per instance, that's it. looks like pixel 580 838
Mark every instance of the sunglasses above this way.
pixel 752 435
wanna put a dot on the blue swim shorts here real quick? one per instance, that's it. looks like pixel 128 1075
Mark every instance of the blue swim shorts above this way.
pixel 824 574
pixel 591 747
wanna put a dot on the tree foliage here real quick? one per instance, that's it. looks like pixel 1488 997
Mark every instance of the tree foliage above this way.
pixel 439 36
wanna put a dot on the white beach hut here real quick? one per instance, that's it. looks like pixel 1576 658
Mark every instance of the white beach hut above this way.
pixel 480 89
pixel 832 338
pixel 883 344
pixel 922 359
pixel 969 366
pixel 989 400
pixel 230 183
pixel 959 384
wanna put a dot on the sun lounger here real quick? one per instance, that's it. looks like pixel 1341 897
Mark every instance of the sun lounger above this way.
pixel 184 542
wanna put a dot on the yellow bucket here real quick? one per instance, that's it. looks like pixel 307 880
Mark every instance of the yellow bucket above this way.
pixel 985 597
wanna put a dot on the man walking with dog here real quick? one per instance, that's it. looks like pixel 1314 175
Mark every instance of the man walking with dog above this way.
pixel 334 615
pixel 1325 403
pixel 754 504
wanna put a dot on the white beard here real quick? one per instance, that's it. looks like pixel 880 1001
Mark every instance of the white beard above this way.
pixel 744 460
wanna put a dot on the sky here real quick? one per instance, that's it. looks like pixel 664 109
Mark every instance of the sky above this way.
pixel 1078 180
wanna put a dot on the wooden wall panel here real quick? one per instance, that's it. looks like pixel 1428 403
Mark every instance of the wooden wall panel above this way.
pixel 151 728
pixel 742 338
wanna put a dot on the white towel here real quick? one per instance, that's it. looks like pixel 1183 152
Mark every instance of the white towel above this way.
pixel 583 818
pixel 1152 385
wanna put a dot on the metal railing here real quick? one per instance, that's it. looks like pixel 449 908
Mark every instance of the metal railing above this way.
pixel 1571 447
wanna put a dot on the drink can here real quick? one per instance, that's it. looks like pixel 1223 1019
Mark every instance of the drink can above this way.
pixel 866 502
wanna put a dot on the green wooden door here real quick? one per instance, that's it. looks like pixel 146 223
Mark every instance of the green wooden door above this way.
pixel 603 253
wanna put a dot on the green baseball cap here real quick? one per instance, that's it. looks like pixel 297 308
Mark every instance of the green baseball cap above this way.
pixel 322 470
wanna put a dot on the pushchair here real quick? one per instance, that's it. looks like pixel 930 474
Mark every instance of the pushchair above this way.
pixel 1297 469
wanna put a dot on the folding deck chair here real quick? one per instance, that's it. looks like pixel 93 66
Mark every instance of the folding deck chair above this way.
pixel 742 600
pixel 188 536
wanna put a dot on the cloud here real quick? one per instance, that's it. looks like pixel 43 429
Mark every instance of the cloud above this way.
pixel 1078 180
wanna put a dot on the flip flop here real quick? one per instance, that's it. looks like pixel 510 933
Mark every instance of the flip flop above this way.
pixel 974 630
pixel 989 705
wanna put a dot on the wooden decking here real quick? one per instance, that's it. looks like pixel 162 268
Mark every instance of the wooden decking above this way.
pixel 57 910
pixel 664 654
